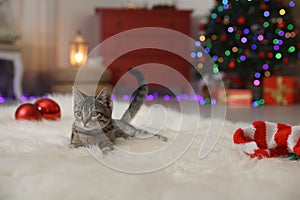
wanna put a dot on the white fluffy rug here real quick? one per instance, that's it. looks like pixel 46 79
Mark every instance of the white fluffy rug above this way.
pixel 37 163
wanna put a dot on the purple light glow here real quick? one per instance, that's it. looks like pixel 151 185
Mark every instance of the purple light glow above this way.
pixel 226 6
pixel 180 97
pixel 280 42
pixel 260 37
pixel 155 95
pixel 167 98
pixel 276 47
pixel 197 97
pixel 114 97
pixel 2 100
pixel 207 50
pixel 213 101
pixel 265 66
pixel 256 82
pixel 292 4
pixel 132 97
pixel 253 46
pixel 266 13
pixel 185 97
pixel 202 102
pixel 257 75
pixel 281 33
pixel 243 57
pixel 24 98
pixel 198 43
pixel 125 97
pixel 244 40
pixel 246 31
pixel 149 97
pixel 32 98
pixel 230 29
pixel 193 55
pixel 254 104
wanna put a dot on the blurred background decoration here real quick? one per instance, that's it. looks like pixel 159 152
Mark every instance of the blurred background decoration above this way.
pixel 7 33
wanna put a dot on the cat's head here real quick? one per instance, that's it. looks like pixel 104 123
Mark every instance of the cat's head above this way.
pixel 92 112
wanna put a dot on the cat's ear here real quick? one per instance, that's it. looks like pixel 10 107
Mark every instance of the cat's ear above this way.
pixel 105 97
pixel 77 94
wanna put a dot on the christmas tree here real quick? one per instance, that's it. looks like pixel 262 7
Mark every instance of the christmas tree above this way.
pixel 253 38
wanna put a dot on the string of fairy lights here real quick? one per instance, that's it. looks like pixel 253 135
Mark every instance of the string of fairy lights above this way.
pixel 155 96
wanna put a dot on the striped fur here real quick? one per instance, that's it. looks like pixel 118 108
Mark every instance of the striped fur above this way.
pixel 139 96
pixel 268 139
pixel 93 123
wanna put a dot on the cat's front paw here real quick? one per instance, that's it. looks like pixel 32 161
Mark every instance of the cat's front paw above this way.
pixel 146 133
pixel 76 145
pixel 107 149
pixel 161 137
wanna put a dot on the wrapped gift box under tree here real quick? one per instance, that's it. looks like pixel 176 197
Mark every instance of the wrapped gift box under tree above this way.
pixel 236 97
pixel 280 90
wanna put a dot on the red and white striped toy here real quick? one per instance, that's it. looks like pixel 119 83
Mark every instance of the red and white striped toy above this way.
pixel 268 139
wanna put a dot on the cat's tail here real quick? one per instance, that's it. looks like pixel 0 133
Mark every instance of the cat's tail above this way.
pixel 138 96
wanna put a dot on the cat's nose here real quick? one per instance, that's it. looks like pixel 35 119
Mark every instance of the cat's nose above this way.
pixel 85 122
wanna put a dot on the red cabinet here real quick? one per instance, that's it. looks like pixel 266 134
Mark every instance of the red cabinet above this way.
pixel 119 56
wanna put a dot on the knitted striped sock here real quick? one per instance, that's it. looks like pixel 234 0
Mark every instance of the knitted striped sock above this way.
pixel 268 139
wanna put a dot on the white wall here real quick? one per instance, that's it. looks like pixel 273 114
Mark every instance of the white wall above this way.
pixel 48 26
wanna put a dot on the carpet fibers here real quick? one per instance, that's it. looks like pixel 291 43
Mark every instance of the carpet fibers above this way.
pixel 36 162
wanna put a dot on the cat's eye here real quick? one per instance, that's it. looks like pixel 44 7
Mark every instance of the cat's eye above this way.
pixel 78 114
pixel 96 114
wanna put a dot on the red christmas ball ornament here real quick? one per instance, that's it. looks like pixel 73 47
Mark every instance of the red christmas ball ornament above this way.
pixel 28 111
pixel 48 108
pixel 241 20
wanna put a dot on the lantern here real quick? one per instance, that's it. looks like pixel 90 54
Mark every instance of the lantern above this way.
pixel 78 51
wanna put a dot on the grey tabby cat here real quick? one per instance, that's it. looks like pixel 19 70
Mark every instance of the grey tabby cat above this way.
pixel 93 124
